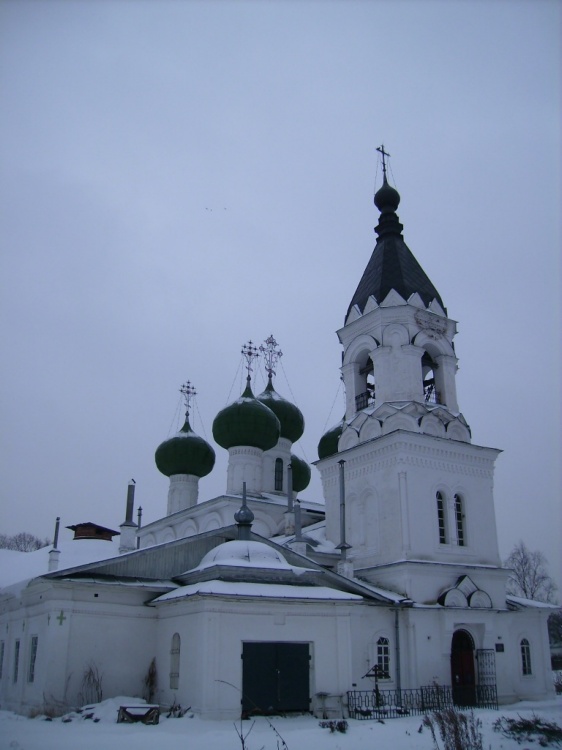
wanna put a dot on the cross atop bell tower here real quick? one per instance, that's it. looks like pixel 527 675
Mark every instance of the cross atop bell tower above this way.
pixel 384 154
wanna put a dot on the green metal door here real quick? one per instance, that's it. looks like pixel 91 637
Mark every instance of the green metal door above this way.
pixel 275 678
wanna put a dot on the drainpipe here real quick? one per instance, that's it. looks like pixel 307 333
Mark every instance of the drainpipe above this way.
pixel 290 512
pixel 299 544
pixel 397 656
pixel 345 568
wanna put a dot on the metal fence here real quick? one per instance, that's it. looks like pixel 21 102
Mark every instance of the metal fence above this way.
pixel 392 704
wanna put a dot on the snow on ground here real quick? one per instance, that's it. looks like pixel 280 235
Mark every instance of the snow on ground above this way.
pixel 101 731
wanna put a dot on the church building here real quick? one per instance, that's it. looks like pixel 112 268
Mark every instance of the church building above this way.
pixel 387 594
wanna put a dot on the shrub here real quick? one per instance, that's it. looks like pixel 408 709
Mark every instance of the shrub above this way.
pixel 458 731
pixel 92 690
pixel 546 733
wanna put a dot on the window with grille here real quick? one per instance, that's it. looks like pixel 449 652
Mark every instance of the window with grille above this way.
pixel 278 474
pixel 32 658
pixel 175 662
pixel 526 657
pixel 383 658
pixel 441 519
pixel 459 520
pixel 16 660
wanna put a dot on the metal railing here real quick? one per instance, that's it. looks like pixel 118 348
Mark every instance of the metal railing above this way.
pixel 363 400
pixel 392 704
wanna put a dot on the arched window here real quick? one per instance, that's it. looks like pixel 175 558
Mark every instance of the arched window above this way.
pixel 365 393
pixel 175 662
pixel 383 658
pixel 278 474
pixel 525 657
pixel 459 520
pixel 430 393
pixel 441 520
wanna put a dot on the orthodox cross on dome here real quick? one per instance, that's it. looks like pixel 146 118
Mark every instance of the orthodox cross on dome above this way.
pixel 250 352
pixel 384 155
pixel 188 392
pixel 271 354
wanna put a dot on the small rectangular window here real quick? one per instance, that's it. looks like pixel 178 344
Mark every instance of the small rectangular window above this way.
pixel 32 658
pixel 16 660
pixel 2 645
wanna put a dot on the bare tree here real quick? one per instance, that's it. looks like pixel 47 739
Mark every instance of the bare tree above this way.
pixel 529 575
pixel 22 542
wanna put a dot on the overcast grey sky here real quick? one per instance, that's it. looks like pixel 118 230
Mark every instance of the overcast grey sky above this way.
pixel 179 177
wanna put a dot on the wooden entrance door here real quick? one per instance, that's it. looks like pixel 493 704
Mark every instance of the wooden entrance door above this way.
pixel 275 678
pixel 462 669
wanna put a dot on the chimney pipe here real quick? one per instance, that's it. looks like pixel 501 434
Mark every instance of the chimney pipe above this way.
pixel 57 527
pixel 54 553
pixel 130 501
pixel 139 519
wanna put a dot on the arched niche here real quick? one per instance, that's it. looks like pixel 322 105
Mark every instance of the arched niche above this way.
pixel 431 425
pixel 457 431
pixel 187 529
pixel 148 541
pixel 400 421
pixel 454 598
pixel 168 535
pixel 348 439
pixel 395 335
pixel 371 429
pixel 211 522
pixel 480 600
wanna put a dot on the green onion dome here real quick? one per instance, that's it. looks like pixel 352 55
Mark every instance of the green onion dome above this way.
pixel 246 422
pixel 185 453
pixel 289 415
pixel 328 444
pixel 301 473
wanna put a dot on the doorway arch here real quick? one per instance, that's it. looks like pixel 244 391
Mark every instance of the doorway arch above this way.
pixel 462 669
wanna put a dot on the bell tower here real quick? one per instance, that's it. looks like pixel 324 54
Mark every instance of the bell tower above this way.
pixel 397 338
pixel 419 494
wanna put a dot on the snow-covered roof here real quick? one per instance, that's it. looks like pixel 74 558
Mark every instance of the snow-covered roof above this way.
pixel 18 568
pixel 316 532
pixel 260 590
pixel 520 601
pixel 244 553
